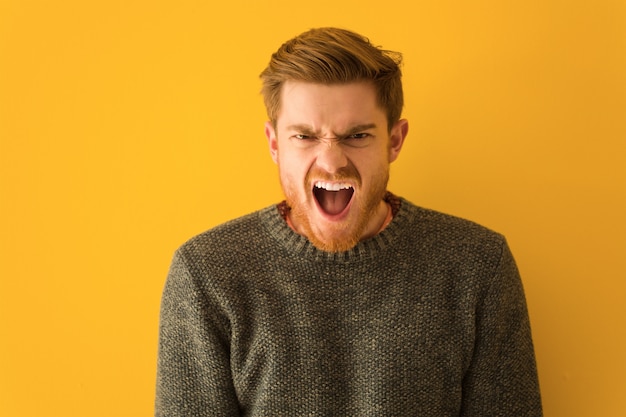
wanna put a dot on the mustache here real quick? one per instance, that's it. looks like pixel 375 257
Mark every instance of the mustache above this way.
pixel 348 173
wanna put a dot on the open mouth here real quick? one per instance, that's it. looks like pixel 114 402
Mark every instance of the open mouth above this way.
pixel 333 197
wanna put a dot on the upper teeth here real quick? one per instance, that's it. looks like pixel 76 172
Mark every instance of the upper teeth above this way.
pixel 332 186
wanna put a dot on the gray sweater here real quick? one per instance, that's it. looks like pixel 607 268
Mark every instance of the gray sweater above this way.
pixel 428 318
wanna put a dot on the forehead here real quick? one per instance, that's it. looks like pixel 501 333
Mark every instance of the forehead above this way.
pixel 323 105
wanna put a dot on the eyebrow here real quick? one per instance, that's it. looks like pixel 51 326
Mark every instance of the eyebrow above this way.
pixel 308 130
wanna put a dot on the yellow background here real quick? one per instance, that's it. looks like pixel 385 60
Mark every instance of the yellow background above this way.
pixel 126 127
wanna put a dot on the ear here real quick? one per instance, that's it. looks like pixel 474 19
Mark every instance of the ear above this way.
pixel 272 140
pixel 396 138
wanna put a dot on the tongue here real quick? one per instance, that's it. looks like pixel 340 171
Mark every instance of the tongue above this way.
pixel 333 202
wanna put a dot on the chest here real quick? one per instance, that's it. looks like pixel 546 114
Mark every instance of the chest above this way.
pixel 388 335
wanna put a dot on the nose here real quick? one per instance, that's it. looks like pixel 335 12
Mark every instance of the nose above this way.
pixel 331 156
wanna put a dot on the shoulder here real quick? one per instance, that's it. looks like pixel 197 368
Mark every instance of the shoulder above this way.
pixel 437 224
pixel 237 238
pixel 455 252
pixel 446 235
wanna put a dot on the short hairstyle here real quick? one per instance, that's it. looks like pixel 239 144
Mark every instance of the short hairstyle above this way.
pixel 334 56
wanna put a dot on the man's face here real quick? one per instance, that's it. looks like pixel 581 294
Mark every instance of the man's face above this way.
pixel 333 151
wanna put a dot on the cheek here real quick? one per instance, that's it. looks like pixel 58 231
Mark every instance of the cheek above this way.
pixel 372 165
pixel 294 161
pixel 293 171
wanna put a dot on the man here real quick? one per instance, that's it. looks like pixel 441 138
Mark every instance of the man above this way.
pixel 343 300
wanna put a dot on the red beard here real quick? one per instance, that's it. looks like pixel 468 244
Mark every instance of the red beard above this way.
pixel 344 234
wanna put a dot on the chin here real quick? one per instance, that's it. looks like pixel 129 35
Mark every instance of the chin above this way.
pixel 339 237
pixel 334 245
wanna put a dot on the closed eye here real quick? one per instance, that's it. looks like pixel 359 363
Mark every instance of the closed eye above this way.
pixel 358 140
pixel 303 137
pixel 303 140
pixel 358 136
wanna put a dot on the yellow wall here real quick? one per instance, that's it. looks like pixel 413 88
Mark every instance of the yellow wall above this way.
pixel 128 126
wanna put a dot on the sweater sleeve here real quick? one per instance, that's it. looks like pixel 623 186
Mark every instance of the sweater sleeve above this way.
pixel 502 378
pixel 193 371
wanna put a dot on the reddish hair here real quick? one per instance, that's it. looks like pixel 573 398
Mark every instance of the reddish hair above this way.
pixel 334 56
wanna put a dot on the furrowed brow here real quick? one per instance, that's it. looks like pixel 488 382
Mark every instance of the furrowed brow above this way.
pixel 357 129
pixel 303 129
pixel 309 131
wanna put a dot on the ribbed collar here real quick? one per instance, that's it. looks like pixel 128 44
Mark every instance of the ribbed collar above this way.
pixel 300 246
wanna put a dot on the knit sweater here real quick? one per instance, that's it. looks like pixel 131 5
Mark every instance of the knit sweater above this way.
pixel 427 318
